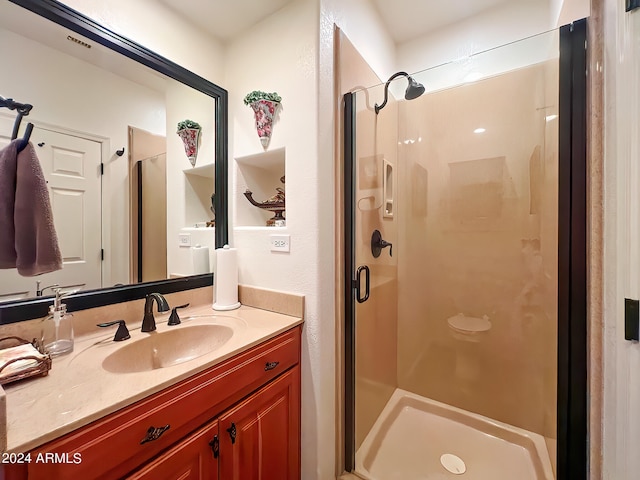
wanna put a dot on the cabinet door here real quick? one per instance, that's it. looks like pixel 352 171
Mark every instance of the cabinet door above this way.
pixel 194 458
pixel 260 437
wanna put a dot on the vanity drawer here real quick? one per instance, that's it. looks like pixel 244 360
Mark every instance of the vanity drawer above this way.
pixel 111 447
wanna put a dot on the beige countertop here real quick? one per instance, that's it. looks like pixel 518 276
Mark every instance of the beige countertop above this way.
pixel 78 390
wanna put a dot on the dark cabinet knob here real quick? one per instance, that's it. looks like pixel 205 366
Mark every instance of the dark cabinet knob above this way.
pixel 232 432
pixel 215 446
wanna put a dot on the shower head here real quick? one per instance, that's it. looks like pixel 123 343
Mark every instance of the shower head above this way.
pixel 414 89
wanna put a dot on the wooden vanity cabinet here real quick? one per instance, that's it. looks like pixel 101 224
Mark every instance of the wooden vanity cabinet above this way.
pixel 258 391
pixel 194 458
pixel 260 441
pixel 259 437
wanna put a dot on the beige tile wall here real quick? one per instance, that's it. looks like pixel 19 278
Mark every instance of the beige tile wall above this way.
pixel 376 319
pixel 479 237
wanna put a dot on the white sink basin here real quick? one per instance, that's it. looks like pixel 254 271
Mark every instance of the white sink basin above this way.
pixel 172 347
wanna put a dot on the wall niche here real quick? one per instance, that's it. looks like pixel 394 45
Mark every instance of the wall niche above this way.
pixel 260 174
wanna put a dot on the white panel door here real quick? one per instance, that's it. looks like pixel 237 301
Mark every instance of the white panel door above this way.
pixel 71 166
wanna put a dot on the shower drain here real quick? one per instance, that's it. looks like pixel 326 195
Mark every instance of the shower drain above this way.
pixel 453 463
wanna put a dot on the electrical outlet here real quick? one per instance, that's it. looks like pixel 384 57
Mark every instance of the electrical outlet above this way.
pixel 279 243
pixel 184 239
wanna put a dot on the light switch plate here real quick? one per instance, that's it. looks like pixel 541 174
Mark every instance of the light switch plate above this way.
pixel 184 239
pixel 279 243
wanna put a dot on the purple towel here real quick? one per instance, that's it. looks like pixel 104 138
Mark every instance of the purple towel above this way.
pixel 28 238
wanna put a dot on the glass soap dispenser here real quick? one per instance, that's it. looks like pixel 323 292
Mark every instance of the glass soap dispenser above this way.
pixel 58 328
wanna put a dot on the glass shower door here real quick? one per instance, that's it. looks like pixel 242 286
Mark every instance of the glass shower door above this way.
pixel 454 253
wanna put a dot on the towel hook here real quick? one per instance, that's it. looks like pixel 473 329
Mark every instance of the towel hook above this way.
pixel 120 152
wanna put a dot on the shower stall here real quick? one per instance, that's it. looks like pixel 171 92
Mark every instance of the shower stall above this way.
pixel 458 352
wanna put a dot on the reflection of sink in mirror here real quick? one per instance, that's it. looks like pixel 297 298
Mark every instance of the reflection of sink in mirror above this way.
pixel 172 347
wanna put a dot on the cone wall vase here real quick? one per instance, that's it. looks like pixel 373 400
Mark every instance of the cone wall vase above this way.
pixel 264 111
pixel 191 140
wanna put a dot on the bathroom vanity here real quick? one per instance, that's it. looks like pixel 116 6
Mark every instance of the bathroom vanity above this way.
pixel 232 414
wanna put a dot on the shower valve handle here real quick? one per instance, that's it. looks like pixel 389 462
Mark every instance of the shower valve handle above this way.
pixel 377 244
pixel 384 244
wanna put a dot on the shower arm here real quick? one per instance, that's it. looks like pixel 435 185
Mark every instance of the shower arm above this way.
pixel 377 107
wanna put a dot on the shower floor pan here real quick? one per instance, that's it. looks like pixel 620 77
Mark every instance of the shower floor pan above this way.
pixel 416 438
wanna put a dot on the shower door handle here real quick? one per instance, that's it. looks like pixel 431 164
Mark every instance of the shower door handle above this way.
pixel 359 297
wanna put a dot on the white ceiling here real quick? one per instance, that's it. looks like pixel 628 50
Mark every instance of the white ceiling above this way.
pixel 405 19
pixel 224 18
pixel 409 19
pixel 23 22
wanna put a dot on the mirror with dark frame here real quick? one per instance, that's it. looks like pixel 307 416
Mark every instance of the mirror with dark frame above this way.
pixel 102 94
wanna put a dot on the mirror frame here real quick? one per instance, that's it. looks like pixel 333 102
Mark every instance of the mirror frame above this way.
pixel 19 310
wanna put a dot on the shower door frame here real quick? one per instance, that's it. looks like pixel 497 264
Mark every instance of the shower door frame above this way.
pixel 572 415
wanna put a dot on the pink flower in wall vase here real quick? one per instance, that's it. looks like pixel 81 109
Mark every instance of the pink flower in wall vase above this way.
pixel 264 106
pixel 190 131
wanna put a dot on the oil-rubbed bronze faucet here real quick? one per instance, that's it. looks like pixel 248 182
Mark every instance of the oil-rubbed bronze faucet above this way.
pixel 148 322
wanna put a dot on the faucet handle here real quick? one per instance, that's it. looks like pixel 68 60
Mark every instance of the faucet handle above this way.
pixel 121 334
pixel 40 291
pixel 174 319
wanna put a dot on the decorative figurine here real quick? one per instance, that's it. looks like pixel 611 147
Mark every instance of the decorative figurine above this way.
pixel 212 223
pixel 275 204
